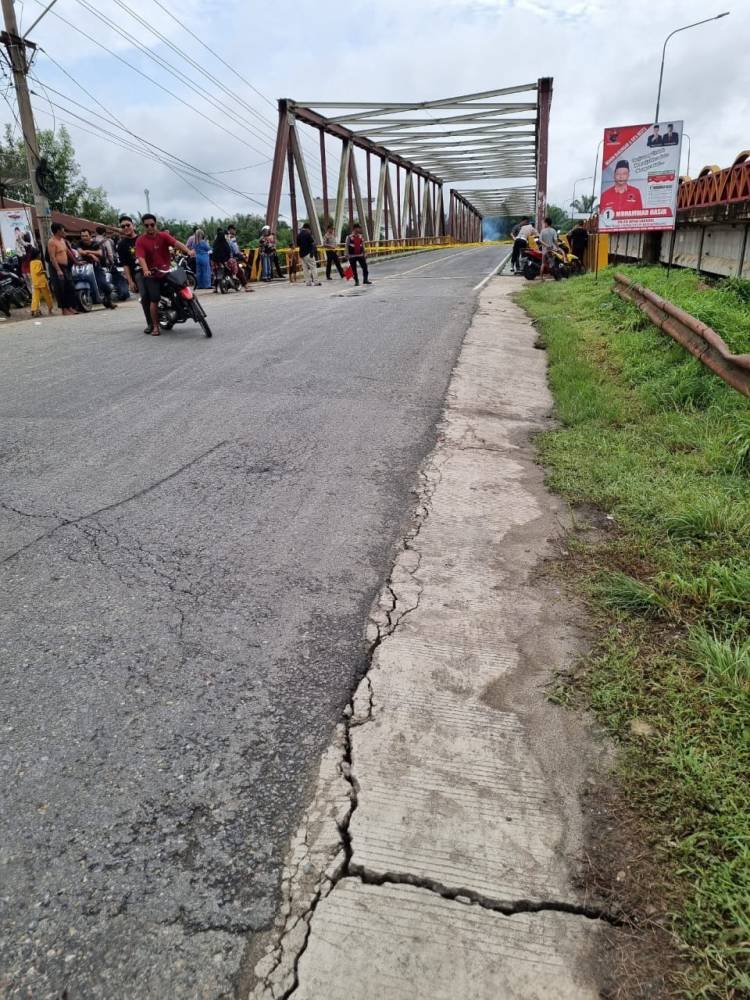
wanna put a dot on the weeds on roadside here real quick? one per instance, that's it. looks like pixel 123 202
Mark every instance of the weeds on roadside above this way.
pixel 663 445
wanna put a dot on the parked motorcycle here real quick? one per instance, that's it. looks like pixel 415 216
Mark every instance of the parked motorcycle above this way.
pixel 16 289
pixel 178 303
pixel 573 264
pixel 6 293
pixel 80 275
pixel 118 283
pixel 532 262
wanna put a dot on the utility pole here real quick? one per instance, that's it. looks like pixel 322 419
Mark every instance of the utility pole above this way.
pixel 16 47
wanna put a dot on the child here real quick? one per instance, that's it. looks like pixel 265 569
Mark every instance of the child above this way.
pixel 39 284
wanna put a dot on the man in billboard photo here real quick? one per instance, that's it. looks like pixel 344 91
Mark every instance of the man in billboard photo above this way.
pixel 671 138
pixel 621 197
pixel 655 138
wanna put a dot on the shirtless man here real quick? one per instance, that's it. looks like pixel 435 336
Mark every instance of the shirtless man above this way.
pixel 57 248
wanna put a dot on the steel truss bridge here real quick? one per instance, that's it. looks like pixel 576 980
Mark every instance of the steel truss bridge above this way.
pixel 396 159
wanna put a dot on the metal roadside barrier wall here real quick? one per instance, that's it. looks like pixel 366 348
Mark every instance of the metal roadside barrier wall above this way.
pixel 696 337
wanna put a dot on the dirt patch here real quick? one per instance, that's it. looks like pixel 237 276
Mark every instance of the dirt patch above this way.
pixel 620 870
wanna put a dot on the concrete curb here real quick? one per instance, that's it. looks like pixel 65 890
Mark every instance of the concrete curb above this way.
pixel 439 858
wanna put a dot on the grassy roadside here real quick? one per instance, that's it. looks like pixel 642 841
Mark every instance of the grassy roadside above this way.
pixel 661 444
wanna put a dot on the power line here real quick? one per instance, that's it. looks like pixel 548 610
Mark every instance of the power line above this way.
pixel 266 124
pixel 151 79
pixel 230 113
pixel 146 155
pixel 237 73
pixel 161 155
pixel 184 55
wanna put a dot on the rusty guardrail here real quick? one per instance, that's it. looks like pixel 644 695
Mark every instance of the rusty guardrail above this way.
pixel 699 339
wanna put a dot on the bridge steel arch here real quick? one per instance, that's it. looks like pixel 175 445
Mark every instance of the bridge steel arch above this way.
pixel 408 153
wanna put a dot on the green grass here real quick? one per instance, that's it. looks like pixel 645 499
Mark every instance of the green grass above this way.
pixel 659 442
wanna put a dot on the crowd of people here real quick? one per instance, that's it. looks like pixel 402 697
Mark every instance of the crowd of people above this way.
pixel 548 239
pixel 114 267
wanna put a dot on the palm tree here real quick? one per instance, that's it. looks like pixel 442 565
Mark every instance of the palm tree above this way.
pixel 585 205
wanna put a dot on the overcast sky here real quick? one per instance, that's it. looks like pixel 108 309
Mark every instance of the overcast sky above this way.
pixel 604 57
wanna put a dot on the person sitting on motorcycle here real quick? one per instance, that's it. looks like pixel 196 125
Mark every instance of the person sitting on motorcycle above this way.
pixel 221 254
pixel 547 243
pixel 106 245
pixel 152 252
pixel 102 293
pixel 239 257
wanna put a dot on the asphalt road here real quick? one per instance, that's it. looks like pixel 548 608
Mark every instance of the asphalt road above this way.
pixel 191 534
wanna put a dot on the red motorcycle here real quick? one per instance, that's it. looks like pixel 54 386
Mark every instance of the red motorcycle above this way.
pixel 178 303
pixel 532 263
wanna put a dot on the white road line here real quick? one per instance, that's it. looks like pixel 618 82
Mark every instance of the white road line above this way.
pixel 492 274
pixel 429 263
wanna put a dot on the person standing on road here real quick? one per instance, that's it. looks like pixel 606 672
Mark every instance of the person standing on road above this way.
pixel 39 284
pixel 332 257
pixel 547 242
pixel 308 252
pixel 355 251
pixel 520 234
pixel 59 257
pixel 129 261
pixel 202 259
pixel 152 252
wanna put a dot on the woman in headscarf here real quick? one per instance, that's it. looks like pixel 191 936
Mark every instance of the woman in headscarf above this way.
pixel 202 259
pixel 221 253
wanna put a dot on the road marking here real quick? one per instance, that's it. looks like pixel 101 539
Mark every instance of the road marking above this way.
pixel 431 262
pixel 492 273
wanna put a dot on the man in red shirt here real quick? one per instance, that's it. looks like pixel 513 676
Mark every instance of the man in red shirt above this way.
pixel 152 251
pixel 621 196
pixel 355 251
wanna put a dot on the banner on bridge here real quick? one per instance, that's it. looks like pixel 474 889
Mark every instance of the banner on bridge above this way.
pixel 640 177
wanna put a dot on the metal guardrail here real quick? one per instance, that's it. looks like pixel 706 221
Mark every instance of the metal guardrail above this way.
pixel 703 342
pixel 376 250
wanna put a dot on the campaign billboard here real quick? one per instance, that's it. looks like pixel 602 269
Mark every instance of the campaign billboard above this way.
pixel 640 176
pixel 15 229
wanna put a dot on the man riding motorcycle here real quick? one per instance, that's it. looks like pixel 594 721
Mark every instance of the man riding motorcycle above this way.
pixel 152 251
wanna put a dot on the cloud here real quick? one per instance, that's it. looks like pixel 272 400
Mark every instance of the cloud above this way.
pixel 604 58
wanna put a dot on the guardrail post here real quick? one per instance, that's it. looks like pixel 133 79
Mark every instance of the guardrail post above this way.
pixel 700 249
pixel 741 265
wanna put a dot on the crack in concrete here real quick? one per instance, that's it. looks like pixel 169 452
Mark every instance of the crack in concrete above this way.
pixel 469 897
pixel 65 522
pixel 277 977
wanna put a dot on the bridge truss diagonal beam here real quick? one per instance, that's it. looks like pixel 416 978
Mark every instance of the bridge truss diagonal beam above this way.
pixel 498 136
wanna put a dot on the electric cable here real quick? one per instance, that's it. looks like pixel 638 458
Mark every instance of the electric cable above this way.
pixel 165 64
pixel 236 73
pixel 151 79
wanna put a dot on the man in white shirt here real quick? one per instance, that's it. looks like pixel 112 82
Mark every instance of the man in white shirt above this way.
pixel 548 242
pixel 520 234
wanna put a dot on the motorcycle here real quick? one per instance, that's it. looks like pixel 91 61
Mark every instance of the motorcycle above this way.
pixel 117 282
pixel 82 275
pixel 6 293
pixel 532 262
pixel 178 303
pixel 573 264
pixel 188 266
pixel 15 289
pixel 224 280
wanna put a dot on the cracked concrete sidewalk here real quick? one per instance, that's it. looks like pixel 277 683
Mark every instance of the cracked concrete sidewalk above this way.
pixel 440 855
